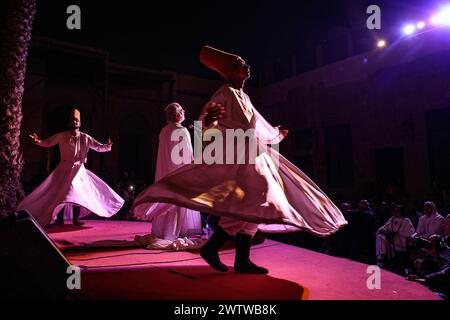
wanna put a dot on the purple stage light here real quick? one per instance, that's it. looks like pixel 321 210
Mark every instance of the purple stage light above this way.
pixel 381 44
pixel 435 20
pixel 421 25
pixel 409 29
pixel 443 17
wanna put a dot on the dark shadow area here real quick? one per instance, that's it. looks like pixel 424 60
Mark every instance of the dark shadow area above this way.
pixel 64 228
pixel 185 283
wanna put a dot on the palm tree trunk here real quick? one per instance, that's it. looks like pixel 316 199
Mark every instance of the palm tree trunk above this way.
pixel 13 57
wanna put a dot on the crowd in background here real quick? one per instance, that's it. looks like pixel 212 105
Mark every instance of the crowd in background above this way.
pixel 408 235
pixel 410 238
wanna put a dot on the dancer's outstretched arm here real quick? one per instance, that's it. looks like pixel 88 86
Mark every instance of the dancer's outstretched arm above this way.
pixel 46 143
pixel 99 147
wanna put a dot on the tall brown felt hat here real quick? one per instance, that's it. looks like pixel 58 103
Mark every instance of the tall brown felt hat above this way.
pixel 218 60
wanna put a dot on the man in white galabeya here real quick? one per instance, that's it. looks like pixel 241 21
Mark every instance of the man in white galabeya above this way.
pixel 71 184
pixel 170 222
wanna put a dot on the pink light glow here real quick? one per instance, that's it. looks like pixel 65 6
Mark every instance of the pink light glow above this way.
pixel 420 25
pixel 381 44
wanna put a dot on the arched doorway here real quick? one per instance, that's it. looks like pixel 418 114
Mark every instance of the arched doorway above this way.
pixel 136 150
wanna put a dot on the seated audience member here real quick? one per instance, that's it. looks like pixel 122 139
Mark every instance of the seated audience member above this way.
pixel 383 213
pixel 392 237
pixel 430 223
pixel 434 269
pixel 362 227
pixel 446 234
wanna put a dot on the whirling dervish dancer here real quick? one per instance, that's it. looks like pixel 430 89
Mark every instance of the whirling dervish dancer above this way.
pixel 71 183
pixel 170 222
pixel 265 191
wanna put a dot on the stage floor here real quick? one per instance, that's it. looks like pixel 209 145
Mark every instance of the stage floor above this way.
pixel 295 273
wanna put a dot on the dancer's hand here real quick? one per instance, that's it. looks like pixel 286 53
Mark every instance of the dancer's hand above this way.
pixel 215 112
pixel 35 138
pixel 283 132
pixel 109 143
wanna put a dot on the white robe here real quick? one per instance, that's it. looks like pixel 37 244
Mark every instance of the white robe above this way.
pixel 170 222
pixel 429 226
pixel 71 183
pixel 403 228
pixel 284 199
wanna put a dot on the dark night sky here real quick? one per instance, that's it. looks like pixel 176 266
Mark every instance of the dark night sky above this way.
pixel 168 35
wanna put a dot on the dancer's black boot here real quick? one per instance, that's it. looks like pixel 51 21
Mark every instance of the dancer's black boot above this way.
pixel 76 217
pixel 242 263
pixel 210 251
pixel 59 218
